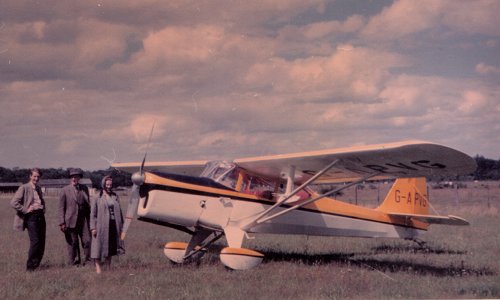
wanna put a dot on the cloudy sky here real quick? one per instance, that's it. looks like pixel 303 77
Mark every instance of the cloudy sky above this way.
pixel 81 82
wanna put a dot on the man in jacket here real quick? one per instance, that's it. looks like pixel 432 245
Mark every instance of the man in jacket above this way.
pixel 74 215
pixel 30 214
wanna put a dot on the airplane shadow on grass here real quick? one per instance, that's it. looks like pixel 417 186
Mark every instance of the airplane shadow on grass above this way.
pixel 369 260
pixel 385 264
pixel 421 248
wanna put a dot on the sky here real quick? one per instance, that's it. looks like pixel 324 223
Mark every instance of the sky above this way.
pixel 83 82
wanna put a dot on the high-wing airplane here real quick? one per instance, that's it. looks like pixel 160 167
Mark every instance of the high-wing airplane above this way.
pixel 273 194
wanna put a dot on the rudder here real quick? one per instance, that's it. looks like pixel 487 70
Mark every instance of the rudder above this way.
pixel 407 195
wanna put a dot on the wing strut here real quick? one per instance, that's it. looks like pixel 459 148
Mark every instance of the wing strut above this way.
pixel 293 193
pixel 262 220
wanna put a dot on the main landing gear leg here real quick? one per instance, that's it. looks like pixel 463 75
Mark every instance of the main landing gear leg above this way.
pixel 235 257
pixel 179 252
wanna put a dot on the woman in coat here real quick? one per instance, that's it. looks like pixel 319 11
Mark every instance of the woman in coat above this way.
pixel 106 222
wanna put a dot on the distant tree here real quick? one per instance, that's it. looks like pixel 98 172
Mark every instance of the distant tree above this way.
pixel 119 178
pixel 6 175
pixel 22 175
pixel 96 177
pixel 55 173
pixel 487 168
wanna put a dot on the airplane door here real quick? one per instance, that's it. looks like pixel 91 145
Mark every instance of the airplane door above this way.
pixel 215 212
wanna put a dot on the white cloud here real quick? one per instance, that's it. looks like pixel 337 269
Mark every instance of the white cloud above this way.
pixel 101 43
pixel 316 31
pixel 141 126
pixel 38 28
pixel 485 69
pixel 473 17
pixel 407 17
pixel 355 73
pixel 473 102
pixel 399 121
pixel 402 18
pixel 67 146
pixel 186 44
pixel 255 77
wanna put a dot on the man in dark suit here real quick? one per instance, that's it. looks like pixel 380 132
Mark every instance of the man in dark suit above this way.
pixel 30 214
pixel 74 215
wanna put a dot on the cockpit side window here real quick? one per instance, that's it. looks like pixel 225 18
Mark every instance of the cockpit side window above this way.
pixel 257 186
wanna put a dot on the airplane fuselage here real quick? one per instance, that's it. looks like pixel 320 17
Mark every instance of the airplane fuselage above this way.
pixel 193 205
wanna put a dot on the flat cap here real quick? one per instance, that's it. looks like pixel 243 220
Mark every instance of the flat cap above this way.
pixel 75 171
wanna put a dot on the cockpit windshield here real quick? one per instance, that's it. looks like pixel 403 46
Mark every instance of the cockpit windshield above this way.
pixel 222 172
pixel 229 175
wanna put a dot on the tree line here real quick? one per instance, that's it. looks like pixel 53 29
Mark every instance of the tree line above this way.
pixel 22 175
pixel 487 169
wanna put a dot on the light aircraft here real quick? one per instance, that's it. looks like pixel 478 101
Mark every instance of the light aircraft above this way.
pixel 273 194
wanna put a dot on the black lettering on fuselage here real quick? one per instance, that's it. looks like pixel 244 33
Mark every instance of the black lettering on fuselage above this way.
pixel 417 198
pixel 421 199
pixel 397 197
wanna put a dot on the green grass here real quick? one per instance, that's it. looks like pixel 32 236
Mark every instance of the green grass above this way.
pixel 457 262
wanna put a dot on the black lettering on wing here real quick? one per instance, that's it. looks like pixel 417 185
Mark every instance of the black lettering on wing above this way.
pixel 387 170
pixel 402 166
pixel 427 164
pixel 377 168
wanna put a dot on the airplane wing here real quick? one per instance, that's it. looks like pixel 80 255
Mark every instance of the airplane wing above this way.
pixel 401 159
pixel 191 168
pixel 433 219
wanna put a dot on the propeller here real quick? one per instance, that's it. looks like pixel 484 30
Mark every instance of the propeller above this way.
pixel 138 179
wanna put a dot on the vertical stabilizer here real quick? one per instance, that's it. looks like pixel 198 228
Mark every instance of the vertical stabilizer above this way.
pixel 407 196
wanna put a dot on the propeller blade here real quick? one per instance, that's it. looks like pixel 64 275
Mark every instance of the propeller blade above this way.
pixel 141 170
pixel 134 197
pixel 133 202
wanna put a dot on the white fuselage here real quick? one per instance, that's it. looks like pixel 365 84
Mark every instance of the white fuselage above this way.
pixel 216 213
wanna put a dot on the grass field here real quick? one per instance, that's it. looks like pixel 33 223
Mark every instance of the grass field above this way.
pixel 458 262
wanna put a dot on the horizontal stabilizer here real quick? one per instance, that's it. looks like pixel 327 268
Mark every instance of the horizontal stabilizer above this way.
pixel 433 219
